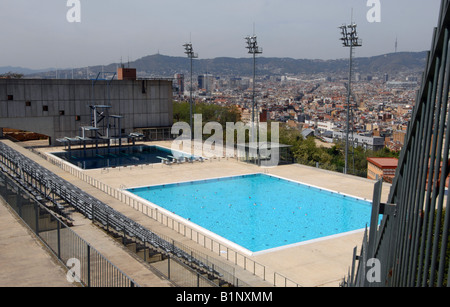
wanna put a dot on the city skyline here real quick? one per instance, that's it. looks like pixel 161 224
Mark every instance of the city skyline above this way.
pixel 40 35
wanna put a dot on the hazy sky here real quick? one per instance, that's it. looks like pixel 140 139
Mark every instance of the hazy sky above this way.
pixel 36 33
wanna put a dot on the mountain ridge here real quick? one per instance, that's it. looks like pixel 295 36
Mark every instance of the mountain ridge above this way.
pixel 158 65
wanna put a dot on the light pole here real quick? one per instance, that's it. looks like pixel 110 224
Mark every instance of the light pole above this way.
pixel 191 55
pixel 252 46
pixel 349 39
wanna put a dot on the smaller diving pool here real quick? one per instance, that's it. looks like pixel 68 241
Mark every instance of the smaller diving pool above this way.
pixel 260 212
pixel 117 156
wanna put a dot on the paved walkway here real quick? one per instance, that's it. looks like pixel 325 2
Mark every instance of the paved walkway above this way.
pixel 24 261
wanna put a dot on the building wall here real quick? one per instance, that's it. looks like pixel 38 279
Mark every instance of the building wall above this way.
pixel 399 136
pixel 373 171
pixel 58 108
pixel 368 142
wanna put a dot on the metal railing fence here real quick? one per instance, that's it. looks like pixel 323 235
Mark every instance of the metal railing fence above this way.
pixel 411 248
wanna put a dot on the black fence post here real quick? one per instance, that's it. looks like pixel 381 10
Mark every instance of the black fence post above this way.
pixel 89 265
pixel 59 238
pixel 168 267
pixel 36 210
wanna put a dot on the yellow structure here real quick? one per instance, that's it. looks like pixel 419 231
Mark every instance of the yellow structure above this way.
pixel 381 168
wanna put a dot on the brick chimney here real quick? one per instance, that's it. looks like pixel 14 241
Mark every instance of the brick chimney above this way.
pixel 126 74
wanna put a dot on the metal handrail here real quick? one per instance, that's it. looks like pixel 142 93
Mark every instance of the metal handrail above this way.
pixel 93 275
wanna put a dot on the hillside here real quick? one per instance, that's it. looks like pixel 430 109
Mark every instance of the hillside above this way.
pixel 166 66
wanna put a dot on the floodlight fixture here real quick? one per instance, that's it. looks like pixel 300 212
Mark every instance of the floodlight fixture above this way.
pixel 252 45
pixel 350 36
pixel 189 50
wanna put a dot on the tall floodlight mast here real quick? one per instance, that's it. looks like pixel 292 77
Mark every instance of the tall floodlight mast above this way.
pixel 252 46
pixel 191 55
pixel 349 39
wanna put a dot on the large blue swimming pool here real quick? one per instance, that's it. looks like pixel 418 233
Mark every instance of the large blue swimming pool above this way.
pixel 261 212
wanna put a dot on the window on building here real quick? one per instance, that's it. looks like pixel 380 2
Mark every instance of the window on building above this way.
pixel 77 118
pixel 10 97
pixel 61 112
pixel 45 108
pixel 28 103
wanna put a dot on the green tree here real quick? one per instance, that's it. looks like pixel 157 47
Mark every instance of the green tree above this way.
pixel 209 112
pixel 306 152
pixel 11 75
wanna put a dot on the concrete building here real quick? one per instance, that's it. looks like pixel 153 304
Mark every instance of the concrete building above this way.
pixel 325 126
pixel 59 108
pixel 367 142
pixel 206 82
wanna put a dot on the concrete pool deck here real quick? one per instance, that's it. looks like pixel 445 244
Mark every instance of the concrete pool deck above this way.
pixel 321 263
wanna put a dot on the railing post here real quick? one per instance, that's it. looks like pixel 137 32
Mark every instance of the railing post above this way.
pixel 59 238
pixel 36 206
pixel 19 201
pixel 375 216
pixel 145 252
pixel 168 267
pixel 89 265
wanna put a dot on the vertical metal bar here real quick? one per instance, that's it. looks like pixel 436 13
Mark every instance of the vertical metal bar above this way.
pixel 351 277
pixel 89 265
pixel 145 252
pixel 168 267
pixel 438 165
pixel 401 227
pixel 422 250
pixel 36 209
pixel 435 159
pixel 59 238
pixel 445 234
pixel 375 217
pixel 416 190
pixel 19 206
pixel 409 204
pixel 363 273
pixel 423 170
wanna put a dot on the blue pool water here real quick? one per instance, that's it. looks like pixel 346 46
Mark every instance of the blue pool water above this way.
pixel 115 156
pixel 260 212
